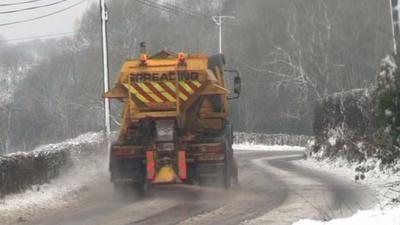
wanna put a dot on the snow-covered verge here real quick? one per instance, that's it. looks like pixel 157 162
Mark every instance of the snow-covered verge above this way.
pixel 383 179
pixel 368 217
pixel 64 191
pixel 86 162
pixel 357 135
pixel 254 147
pixel 20 170
pixel 242 138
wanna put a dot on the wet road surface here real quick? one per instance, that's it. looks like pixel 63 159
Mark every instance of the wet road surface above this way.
pixel 272 190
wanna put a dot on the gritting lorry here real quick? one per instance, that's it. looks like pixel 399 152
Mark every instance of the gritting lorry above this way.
pixel 175 126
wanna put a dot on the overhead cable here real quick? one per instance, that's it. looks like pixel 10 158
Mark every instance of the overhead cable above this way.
pixel 170 8
pixel 20 3
pixel 43 16
pixel 33 7
pixel 64 34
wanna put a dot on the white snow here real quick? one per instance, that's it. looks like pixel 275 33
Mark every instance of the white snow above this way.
pixel 388 113
pixel 271 139
pixel 41 199
pixel 379 178
pixel 90 137
pixel 255 147
pixel 366 217
pixel 60 192
pixel 384 180
pixel 86 138
pixel 332 140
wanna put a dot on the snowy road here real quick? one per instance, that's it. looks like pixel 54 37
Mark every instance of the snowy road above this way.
pixel 272 190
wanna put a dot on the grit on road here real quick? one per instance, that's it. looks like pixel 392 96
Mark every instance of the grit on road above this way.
pixel 272 190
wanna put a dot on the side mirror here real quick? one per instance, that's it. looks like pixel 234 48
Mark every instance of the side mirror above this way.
pixel 237 83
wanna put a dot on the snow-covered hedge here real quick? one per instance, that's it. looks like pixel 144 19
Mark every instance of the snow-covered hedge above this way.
pixel 342 124
pixel 21 170
pixel 271 139
pixel 363 123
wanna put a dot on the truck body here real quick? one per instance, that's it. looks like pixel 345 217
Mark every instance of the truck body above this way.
pixel 174 126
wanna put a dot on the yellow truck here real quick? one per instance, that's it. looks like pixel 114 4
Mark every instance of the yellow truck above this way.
pixel 175 126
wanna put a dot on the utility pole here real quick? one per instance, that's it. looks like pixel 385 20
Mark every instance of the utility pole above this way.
pixel 394 12
pixel 104 18
pixel 218 21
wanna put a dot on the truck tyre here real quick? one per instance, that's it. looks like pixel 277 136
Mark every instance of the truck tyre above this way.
pixel 118 187
pixel 235 173
pixel 228 165
pixel 142 188
pixel 228 132
pixel 193 178
pixel 122 190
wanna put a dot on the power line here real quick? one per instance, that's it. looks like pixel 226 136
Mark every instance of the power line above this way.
pixel 43 16
pixel 40 36
pixel 33 7
pixel 171 8
pixel 161 7
pixel 20 3
pixel 175 7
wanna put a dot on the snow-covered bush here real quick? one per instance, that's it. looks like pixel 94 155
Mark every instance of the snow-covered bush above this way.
pixel 362 123
pixel 388 99
pixel 342 123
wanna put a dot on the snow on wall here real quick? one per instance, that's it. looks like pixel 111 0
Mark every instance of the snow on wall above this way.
pixel 271 139
pixel 21 170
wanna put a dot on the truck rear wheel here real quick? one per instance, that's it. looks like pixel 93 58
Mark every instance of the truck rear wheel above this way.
pixel 222 173
pixel 219 174
pixel 235 173
pixel 119 188
pixel 131 189
pixel 142 187
pixel 228 166
pixel 123 190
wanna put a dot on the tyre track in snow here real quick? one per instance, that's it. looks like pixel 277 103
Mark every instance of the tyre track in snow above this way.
pixel 272 190
pixel 312 193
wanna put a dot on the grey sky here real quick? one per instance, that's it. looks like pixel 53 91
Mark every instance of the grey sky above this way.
pixel 58 23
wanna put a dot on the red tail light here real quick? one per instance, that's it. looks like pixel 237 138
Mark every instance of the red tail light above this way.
pixel 181 57
pixel 143 59
pixel 150 165
pixel 182 165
